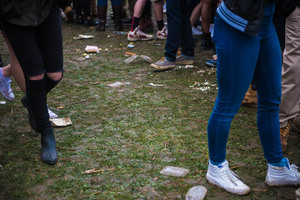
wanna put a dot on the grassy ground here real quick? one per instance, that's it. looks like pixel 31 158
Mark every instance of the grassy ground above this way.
pixel 129 133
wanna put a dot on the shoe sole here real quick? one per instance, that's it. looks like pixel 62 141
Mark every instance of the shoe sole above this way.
pixel 184 62
pixel 270 184
pixel 163 67
pixel 138 39
pixel 161 37
pixel 233 192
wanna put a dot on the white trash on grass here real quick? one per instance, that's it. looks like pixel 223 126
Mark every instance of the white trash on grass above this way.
pixel 174 171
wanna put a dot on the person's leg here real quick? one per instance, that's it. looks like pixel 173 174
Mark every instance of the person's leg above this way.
pixel 196 13
pixel 102 11
pixel 237 56
pixel 290 100
pixel 34 64
pixel 117 10
pixel 138 10
pixel 234 76
pixel 187 45
pixel 206 42
pixel 135 33
pixel 78 12
pixel 16 69
pixel 88 19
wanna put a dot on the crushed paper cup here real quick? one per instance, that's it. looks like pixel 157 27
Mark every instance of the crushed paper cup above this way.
pixel 130 59
pixel 174 171
pixel 147 58
pixel 155 85
pixel 116 84
pixel 91 49
pixel 60 122
pixel 80 37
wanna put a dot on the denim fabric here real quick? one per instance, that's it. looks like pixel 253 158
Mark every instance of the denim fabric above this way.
pixel 113 2
pixel 179 29
pixel 242 57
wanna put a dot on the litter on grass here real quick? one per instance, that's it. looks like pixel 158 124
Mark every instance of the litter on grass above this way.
pixel 196 193
pixel 174 171
pixel 80 37
pixel 2 102
pixel 134 56
pixel 91 49
pixel 61 122
pixel 116 84
pixel 155 85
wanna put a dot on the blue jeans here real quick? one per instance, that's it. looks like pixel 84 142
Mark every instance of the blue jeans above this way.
pixel 242 57
pixel 179 29
pixel 113 2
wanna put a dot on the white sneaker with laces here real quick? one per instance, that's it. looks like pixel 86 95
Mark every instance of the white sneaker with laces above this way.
pixel 5 88
pixel 280 176
pixel 137 34
pixel 163 34
pixel 223 177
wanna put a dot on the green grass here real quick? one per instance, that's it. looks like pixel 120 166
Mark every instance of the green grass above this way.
pixel 130 133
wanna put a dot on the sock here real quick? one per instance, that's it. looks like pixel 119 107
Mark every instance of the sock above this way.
pixel 160 25
pixel 36 94
pixel 135 23
pixel 216 163
pixel 282 163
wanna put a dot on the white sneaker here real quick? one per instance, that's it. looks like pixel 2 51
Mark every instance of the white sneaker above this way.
pixel 280 176
pixel 196 31
pixel 5 88
pixel 52 114
pixel 163 34
pixel 137 34
pixel 223 177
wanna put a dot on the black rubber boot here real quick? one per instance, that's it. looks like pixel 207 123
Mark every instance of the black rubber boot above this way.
pixel 32 122
pixel 102 18
pixel 48 144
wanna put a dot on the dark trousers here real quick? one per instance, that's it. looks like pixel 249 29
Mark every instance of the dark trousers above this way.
pixel 179 29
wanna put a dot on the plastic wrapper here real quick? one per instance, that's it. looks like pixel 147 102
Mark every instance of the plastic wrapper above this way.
pixel 174 171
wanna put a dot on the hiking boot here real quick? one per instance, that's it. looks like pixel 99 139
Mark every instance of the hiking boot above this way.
pixel 282 176
pixel 137 34
pixel 48 144
pixel 222 176
pixel 5 88
pixel 284 133
pixel 250 99
pixel 180 60
pixel 162 34
pixel 163 64
pixel 296 124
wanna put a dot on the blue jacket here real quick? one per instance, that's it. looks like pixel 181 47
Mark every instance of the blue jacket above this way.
pixel 244 15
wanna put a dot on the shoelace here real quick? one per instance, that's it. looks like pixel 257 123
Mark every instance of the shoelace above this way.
pixel 162 59
pixel 230 176
pixel 294 170
pixel 6 86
